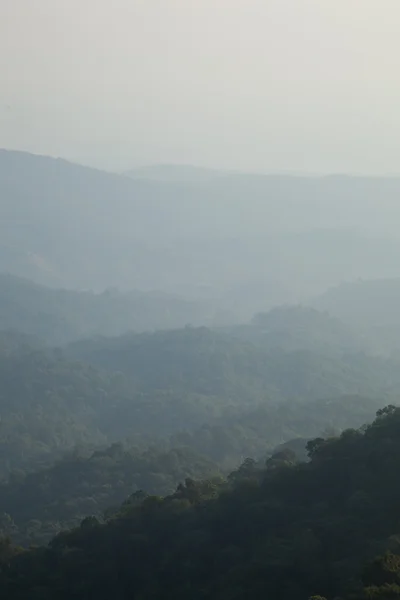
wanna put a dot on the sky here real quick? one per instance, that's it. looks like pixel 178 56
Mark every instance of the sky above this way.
pixel 255 85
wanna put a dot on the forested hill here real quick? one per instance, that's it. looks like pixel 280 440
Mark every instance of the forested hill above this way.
pixel 48 404
pixel 59 316
pixel 204 385
pixel 286 531
pixel 203 361
pixel 35 506
pixel 65 487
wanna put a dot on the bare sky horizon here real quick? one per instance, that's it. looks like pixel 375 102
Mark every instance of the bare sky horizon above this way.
pixel 255 85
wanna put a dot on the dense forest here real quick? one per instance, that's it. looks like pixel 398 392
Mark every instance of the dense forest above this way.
pixel 36 506
pixel 326 527
pixel 186 385
pixel 87 425
pixel 146 387
pixel 215 363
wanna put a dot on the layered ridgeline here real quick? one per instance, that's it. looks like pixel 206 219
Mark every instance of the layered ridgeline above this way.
pixel 247 242
pixel 371 308
pixel 58 316
pixel 209 362
pixel 35 505
pixel 191 402
pixel 353 317
pixel 150 386
pixel 287 530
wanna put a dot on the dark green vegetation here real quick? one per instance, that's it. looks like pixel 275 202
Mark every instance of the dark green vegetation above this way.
pixel 48 404
pixel 35 506
pixel 151 386
pixel 187 403
pixel 288 530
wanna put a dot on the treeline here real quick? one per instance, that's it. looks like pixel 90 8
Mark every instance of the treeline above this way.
pixel 327 528
pixel 35 506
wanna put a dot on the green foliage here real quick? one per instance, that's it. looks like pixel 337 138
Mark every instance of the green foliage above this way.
pixel 49 405
pixel 213 363
pixel 187 387
pixel 297 530
pixel 185 399
pixel 259 431
pixel 38 505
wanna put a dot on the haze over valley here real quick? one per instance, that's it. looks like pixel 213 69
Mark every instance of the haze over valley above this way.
pixel 239 243
pixel 199 300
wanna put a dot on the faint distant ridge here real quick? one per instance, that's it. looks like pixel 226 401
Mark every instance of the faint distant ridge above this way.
pixel 371 305
pixel 177 173
pixel 243 241
pixel 58 316
pixel 170 173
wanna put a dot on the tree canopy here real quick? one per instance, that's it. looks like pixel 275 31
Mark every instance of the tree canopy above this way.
pixel 325 528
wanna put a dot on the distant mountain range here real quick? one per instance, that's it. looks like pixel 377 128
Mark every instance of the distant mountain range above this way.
pixel 370 306
pixel 193 174
pixel 58 316
pixel 176 173
pixel 243 242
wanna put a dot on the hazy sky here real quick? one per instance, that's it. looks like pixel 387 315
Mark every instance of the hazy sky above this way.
pixel 306 85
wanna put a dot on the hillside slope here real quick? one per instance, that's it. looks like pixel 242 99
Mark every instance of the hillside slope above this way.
pixel 286 531
pixel 215 390
pixel 203 361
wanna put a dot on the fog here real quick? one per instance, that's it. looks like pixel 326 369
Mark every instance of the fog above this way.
pixel 265 96
pixel 199 299
pixel 254 85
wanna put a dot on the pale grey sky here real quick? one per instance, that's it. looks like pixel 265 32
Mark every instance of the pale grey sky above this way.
pixel 306 85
